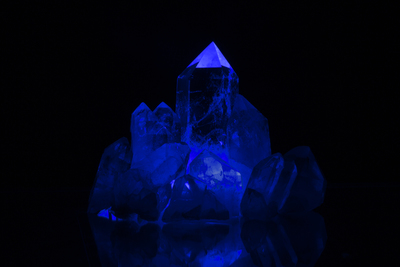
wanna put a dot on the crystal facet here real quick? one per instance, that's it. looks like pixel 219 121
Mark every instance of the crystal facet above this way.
pixel 248 134
pixel 268 244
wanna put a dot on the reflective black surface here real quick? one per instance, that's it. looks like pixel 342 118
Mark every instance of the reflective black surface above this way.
pixel 51 228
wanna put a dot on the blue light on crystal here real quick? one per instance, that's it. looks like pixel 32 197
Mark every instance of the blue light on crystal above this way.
pixel 211 160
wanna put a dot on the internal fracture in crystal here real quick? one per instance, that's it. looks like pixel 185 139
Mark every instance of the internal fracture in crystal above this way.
pixel 205 95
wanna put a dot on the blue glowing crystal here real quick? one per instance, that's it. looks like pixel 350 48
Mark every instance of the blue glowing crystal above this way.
pixel 115 160
pixel 209 160
pixel 309 187
pixel 205 96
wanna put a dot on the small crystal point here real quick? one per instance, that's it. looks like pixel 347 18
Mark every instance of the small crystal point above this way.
pixel 142 122
pixel 168 119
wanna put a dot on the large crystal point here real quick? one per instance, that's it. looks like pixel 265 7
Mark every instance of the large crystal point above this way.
pixel 205 96
pixel 115 159
pixel 248 134
pixel 309 187
pixel 166 163
pixel 264 192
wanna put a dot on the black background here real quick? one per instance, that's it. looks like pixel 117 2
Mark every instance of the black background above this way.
pixel 323 74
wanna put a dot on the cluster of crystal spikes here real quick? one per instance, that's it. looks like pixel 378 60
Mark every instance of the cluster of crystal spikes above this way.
pixel 211 160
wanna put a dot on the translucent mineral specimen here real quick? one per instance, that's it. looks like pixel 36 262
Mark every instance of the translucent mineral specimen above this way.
pixel 210 160
pixel 115 160
pixel 205 96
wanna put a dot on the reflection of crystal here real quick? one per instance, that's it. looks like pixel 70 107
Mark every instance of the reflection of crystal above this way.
pixel 205 95
pixel 295 240
pixel 268 244
pixel 281 241
pixel 169 120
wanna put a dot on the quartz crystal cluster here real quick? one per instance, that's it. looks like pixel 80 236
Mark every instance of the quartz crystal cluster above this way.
pixel 211 160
